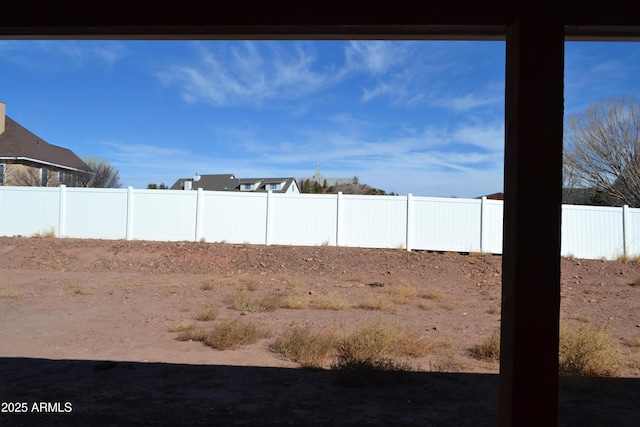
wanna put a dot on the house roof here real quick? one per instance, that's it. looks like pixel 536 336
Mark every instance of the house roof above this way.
pixel 18 143
pixel 228 182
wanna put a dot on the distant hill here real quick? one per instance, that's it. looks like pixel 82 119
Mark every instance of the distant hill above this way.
pixel 315 187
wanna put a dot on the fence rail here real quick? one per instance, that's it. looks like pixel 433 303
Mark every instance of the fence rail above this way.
pixel 420 223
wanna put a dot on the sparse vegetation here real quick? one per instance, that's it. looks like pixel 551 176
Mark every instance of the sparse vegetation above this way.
pixel 307 348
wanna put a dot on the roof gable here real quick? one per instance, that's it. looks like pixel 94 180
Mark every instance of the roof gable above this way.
pixel 18 143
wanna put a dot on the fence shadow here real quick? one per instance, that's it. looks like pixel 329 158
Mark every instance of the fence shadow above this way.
pixel 130 393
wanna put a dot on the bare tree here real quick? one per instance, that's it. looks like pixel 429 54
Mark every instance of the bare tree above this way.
pixel 32 177
pixel 602 151
pixel 104 175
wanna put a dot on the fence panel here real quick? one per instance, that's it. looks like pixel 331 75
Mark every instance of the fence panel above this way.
pixel 633 232
pixel 234 217
pixel 303 219
pixel 447 224
pixel 492 226
pixel 442 224
pixel 592 232
pixel 93 213
pixel 374 221
pixel 166 215
pixel 25 211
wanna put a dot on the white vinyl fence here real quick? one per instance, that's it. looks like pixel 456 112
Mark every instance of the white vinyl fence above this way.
pixel 408 222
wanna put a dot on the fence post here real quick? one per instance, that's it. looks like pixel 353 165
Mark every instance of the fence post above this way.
pixel 339 218
pixel 129 231
pixel 483 220
pixel 267 234
pixel 62 215
pixel 409 239
pixel 199 194
pixel 626 235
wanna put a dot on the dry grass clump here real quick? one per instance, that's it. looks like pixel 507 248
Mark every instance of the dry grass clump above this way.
pixel 49 233
pixel 184 325
pixel 488 349
pixel 432 293
pixel 243 300
pixel 402 294
pixel 207 315
pixel 77 289
pixel 224 335
pixel 587 351
pixel 232 333
pixel 296 298
pixel 633 342
pixel 584 351
pixel 192 334
pixel 307 348
pixel 7 293
pixel 208 285
pixel 377 303
pixel 329 302
pixel 369 353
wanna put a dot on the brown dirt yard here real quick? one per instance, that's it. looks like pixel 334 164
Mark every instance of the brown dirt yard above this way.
pixel 86 334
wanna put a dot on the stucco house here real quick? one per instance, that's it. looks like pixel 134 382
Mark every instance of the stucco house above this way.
pixel 27 159
pixel 228 182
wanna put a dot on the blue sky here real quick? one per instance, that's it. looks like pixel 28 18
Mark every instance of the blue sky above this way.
pixel 420 117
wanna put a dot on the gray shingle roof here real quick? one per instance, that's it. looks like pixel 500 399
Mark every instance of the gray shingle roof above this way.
pixel 18 143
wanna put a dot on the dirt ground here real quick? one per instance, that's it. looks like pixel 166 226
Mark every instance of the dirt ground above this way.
pixel 85 334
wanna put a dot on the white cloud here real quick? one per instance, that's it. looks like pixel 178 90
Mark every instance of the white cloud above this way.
pixel 375 57
pixel 489 137
pixel 246 75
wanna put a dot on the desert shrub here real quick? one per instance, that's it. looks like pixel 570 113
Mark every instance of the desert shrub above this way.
pixel 587 351
pixel 329 302
pixel 182 326
pixel 488 349
pixel 402 294
pixel 432 293
pixel 305 347
pixel 370 353
pixel 232 333
pixel 207 315
pixel 243 300
pixel 377 303
pixel 49 233
pixel 296 301
pixel 191 334
pixel 207 285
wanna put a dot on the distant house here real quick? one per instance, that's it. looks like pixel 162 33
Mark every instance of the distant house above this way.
pixel 493 196
pixel 27 159
pixel 228 182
